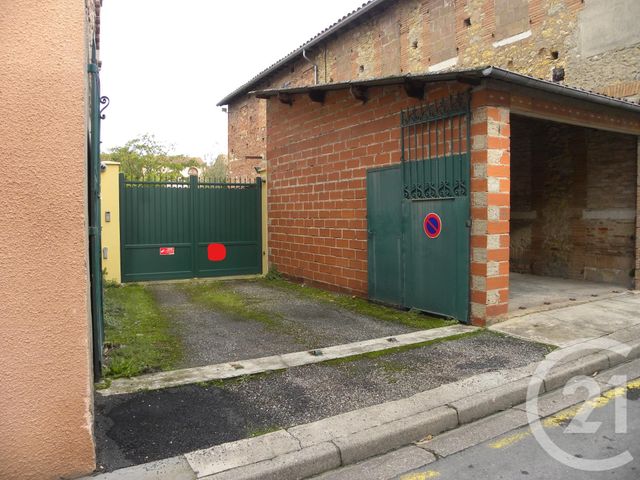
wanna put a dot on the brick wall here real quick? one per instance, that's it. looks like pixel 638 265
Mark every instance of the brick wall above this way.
pixel 490 206
pixel 573 215
pixel 414 35
pixel 317 182
pixel 247 138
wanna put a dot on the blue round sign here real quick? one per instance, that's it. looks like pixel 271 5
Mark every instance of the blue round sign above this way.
pixel 432 225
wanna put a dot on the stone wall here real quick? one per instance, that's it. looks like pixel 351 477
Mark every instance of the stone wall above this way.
pixel 527 36
pixel 573 202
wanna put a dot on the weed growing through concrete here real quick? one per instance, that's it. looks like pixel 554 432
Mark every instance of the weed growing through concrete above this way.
pixel 138 337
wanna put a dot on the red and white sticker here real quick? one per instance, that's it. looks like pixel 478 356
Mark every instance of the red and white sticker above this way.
pixel 167 251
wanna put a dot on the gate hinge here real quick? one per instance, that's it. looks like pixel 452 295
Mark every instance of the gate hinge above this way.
pixel 468 223
pixel 93 231
pixel 92 68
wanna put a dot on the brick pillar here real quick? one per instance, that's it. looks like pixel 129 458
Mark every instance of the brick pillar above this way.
pixel 490 204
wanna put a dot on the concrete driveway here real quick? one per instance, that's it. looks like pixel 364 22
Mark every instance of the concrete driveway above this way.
pixel 228 321
pixel 577 323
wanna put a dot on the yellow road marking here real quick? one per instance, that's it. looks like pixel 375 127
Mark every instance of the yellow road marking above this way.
pixel 510 440
pixel 422 475
pixel 568 414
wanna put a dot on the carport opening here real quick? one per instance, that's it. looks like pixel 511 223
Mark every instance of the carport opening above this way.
pixel 573 213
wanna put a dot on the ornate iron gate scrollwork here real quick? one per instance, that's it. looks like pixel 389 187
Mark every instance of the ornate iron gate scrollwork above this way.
pixel 435 149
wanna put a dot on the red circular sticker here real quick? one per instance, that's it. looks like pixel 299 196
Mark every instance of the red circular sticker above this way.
pixel 432 225
pixel 216 252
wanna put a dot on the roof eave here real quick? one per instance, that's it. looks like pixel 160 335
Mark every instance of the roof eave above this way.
pixel 493 73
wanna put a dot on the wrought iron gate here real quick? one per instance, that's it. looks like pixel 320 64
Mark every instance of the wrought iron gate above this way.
pixel 168 230
pixel 434 206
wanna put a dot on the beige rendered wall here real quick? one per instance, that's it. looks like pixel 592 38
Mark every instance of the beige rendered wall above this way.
pixel 45 355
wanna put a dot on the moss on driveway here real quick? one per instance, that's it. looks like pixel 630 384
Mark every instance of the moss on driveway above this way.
pixel 160 327
pixel 139 337
pixel 220 296
pixel 362 306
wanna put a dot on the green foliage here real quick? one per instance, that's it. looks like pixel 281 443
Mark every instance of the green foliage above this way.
pixel 138 337
pixel 217 170
pixel 146 157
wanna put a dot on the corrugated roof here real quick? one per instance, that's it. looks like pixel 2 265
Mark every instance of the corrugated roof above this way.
pixel 490 72
pixel 340 24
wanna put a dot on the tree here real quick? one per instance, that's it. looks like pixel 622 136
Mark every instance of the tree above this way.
pixel 216 171
pixel 145 157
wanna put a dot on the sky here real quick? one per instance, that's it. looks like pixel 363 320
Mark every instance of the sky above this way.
pixel 167 63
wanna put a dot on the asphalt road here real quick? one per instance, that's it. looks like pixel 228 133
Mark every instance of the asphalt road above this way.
pixel 147 426
pixel 518 454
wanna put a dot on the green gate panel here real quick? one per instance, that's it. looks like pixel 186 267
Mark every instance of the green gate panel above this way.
pixel 409 264
pixel 384 219
pixel 185 218
pixel 232 217
pixel 437 269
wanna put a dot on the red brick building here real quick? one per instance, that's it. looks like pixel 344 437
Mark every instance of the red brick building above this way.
pixel 545 178
pixel 593 45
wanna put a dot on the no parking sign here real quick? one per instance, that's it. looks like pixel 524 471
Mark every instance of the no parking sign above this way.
pixel 432 225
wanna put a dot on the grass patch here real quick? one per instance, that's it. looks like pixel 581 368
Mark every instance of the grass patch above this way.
pixel 359 305
pixel 220 296
pixel 138 337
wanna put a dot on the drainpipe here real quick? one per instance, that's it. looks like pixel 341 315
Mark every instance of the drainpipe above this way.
pixel 315 65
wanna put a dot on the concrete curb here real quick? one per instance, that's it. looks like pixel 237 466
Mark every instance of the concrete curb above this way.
pixel 314 448
pixel 222 371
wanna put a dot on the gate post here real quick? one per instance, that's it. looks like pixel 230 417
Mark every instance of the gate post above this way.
pixel 490 205
pixel 193 215
pixel 262 209
pixel 110 213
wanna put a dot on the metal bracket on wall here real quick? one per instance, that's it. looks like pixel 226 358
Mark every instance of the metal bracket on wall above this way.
pixel 104 100
pixel 317 96
pixel 286 98
pixel 360 93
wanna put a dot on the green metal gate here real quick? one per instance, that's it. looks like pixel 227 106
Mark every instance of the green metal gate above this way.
pixel 167 228
pixel 424 202
pixel 95 259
